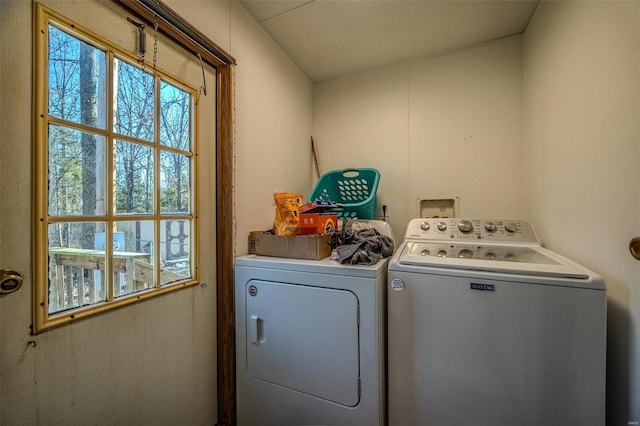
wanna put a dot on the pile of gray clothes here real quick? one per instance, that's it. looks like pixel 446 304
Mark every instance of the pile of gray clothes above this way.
pixel 359 243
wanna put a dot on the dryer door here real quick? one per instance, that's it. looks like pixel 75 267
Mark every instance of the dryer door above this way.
pixel 304 338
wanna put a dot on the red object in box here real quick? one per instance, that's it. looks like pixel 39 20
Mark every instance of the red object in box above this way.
pixel 319 206
pixel 318 223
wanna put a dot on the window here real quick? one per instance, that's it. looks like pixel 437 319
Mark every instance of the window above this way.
pixel 115 176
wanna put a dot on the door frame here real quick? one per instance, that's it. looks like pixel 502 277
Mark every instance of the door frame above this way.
pixel 178 29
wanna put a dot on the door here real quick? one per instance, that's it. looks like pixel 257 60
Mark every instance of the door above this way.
pixel 95 370
pixel 304 338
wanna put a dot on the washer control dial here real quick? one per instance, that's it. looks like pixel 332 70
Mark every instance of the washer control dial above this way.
pixel 511 227
pixel 467 229
pixel 465 226
pixel 490 227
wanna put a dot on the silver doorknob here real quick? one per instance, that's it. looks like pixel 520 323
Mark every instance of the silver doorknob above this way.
pixel 10 281
pixel 634 247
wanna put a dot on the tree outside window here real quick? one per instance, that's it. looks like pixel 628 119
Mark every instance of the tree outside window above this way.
pixel 118 179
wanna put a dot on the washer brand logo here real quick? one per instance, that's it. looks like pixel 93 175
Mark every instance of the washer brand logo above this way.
pixel 397 284
pixel 483 287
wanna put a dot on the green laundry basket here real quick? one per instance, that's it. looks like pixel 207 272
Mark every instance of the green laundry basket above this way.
pixel 355 189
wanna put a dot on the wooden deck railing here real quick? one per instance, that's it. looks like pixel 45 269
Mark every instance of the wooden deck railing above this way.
pixel 77 277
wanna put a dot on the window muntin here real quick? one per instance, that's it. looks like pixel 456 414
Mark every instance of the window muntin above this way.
pixel 117 212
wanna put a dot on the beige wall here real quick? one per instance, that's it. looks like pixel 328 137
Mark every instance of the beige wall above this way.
pixel 582 135
pixel 273 126
pixel 444 127
pixel 273 113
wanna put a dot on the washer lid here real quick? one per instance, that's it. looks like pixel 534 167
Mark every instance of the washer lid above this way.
pixel 512 259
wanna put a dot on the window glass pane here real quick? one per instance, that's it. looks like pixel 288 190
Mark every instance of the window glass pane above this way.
pixel 175 183
pixel 175 117
pixel 76 172
pixel 175 249
pixel 77 76
pixel 133 109
pixel 76 268
pixel 134 178
pixel 133 266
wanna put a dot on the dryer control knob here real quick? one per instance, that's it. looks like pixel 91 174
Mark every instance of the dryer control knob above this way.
pixel 442 226
pixel 465 226
pixel 465 254
pixel 424 226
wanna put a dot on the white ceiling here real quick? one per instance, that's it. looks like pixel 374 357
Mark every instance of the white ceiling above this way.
pixel 333 38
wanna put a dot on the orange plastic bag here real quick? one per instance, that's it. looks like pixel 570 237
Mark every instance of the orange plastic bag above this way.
pixel 287 221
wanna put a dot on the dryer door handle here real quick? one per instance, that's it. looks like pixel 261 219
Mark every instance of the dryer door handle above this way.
pixel 256 330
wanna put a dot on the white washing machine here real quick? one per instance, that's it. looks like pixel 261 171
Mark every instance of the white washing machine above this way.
pixel 309 342
pixel 486 327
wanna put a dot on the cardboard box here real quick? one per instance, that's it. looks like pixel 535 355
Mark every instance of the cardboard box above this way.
pixel 318 223
pixel 313 247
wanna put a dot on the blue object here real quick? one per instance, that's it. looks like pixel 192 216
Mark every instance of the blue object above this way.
pixel 356 189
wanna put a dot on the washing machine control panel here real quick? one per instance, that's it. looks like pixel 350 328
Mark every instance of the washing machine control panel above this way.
pixel 461 229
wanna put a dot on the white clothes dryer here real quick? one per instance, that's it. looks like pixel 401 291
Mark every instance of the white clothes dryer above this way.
pixel 487 327
pixel 309 342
